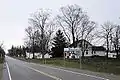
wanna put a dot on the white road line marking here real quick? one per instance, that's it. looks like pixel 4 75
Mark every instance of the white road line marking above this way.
pixel 73 72
pixel 8 71
pixel 54 77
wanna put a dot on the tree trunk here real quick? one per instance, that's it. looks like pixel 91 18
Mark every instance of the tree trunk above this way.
pixel 107 47
pixel 33 49
pixel 117 45
pixel 117 53
pixel 33 56
pixel 73 36
pixel 83 51
pixel 42 56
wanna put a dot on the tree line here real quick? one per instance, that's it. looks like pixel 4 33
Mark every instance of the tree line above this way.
pixel 2 53
pixel 19 51
pixel 46 33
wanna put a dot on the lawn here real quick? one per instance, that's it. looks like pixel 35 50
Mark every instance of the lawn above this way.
pixel 98 64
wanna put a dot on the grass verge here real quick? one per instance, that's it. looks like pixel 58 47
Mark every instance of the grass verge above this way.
pixel 99 64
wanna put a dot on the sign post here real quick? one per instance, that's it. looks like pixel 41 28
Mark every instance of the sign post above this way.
pixel 76 51
pixel 80 61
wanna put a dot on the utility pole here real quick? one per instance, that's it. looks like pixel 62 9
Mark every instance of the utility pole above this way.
pixel 64 57
pixel 80 59
pixel 33 46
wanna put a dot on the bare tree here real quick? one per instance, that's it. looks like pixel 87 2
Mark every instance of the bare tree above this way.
pixel 76 23
pixel 116 39
pixel 30 31
pixel 86 32
pixel 105 34
pixel 51 28
pixel 40 20
pixel 69 19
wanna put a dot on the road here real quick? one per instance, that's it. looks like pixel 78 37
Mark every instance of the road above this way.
pixel 20 70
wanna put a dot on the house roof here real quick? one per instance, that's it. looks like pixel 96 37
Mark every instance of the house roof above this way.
pixel 94 48
pixel 79 41
pixel 98 48
pixel 113 51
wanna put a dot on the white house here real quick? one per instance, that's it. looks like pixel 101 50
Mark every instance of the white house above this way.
pixel 37 55
pixel 112 55
pixel 72 52
pixel 88 49
pixel 98 51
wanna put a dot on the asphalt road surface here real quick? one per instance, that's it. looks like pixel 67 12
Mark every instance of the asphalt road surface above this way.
pixel 20 70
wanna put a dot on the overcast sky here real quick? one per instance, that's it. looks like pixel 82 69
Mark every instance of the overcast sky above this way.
pixel 14 15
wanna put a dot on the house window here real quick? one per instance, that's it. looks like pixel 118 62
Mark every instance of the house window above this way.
pixel 94 52
pixel 65 54
pixel 86 45
pixel 86 51
pixel 69 54
pixel 67 57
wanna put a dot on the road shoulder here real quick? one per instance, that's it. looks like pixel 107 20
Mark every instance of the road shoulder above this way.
pixel 83 72
pixel 5 75
pixel 98 74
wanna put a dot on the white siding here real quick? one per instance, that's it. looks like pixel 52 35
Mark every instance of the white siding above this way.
pixel 37 55
pixel 99 53
pixel 89 53
pixel 112 55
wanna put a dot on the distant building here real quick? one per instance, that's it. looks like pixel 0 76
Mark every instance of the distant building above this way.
pixel 98 51
pixel 37 55
pixel 113 54
pixel 72 52
pixel 88 48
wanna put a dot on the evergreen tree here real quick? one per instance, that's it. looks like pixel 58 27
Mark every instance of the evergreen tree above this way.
pixel 59 42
